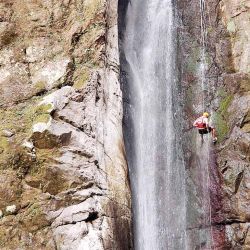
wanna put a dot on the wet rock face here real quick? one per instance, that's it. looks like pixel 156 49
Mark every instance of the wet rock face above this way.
pixel 228 81
pixel 234 153
pixel 62 163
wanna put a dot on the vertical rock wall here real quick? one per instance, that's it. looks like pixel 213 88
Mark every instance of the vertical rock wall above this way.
pixel 227 96
pixel 234 153
pixel 63 171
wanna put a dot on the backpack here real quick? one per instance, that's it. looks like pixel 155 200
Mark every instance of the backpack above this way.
pixel 199 123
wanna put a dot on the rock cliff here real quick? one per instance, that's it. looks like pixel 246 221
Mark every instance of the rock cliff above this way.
pixel 63 171
pixel 234 153
pixel 227 91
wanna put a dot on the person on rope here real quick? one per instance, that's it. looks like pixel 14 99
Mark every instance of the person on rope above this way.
pixel 203 126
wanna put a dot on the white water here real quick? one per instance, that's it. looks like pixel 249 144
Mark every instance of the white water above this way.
pixel 157 169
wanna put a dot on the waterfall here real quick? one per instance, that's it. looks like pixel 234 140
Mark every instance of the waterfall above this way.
pixel 155 160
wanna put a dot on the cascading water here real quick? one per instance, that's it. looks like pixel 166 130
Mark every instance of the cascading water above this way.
pixel 156 165
pixel 171 204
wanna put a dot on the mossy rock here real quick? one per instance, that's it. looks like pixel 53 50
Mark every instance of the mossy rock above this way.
pixel 42 113
pixel 224 105
pixel 44 109
pixel 4 144
pixel 22 161
pixel 221 116
pixel 44 157
pixel 222 127
pixel 82 80
pixel 43 118
pixel 40 87
pixel 20 120
pixel 34 218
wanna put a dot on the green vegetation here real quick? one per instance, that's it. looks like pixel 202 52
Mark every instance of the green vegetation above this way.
pixel 3 142
pixel 221 116
pixel 19 119
pixel 43 118
pixel 243 4
pixel 42 113
pixel 43 109
pixel 40 86
pixel 208 59
pixel 82 80
pixel 221 126
pixel 224 105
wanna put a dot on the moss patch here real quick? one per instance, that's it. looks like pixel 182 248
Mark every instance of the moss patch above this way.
pixel 42 113
pixel 44 157
pixel 4 144
pixel 44 118
pixel 221 116
pixel 82 80
pixel 224 105
pixel 43 109
pixel 20 120
pixel 221 127
pixel 40 87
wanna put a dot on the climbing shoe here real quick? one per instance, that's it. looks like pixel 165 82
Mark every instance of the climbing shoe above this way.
pixel 214 139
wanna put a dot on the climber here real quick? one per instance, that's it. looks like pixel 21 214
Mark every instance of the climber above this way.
pixel 203 126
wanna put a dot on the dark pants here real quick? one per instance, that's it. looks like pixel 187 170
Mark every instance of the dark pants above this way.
pixel 205 131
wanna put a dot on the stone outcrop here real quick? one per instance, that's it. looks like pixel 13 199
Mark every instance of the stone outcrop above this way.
pixel 63 174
